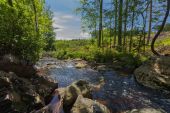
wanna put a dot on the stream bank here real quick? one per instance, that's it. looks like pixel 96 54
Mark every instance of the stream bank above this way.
pixel 121 94
pixel 22 88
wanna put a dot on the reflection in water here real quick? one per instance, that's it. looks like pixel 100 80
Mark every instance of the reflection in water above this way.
pixel 119 93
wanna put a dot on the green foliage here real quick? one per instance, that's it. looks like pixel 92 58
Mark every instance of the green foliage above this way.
pixel 18 35
pixel 130 59
pixel 163 42
pixel 87 50
pixel 104 56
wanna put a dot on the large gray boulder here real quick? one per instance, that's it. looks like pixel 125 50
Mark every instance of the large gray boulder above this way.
pixel 155 73
pixel 77 88
pixel 85 105
pixel 70 95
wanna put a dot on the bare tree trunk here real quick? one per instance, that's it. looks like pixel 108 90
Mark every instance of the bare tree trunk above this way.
pixel 120 25
pixel 125 25
pixel 95 29
pixel 131 35
pixel 100 23
pixel 160 30
pixel 150 23
pixel 110 32
pixel 115 23
pixel 144 32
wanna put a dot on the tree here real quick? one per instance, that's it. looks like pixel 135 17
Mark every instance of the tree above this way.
pixel 100 23
pixel 24 33
pixel 125 24
pixel 89 16
pixel 115 23
pixel 161 29
pixel 132 24
pixel 150 22
pixel 120 25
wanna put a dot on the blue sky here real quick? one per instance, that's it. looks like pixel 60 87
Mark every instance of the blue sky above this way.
pixel 66 20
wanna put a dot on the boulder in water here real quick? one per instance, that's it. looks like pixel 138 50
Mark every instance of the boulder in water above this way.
pixel 80 65
pixel 155 73
pixel 85 105
pixel 77 88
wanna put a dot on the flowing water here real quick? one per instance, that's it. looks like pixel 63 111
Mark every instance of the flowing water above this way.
pixel 120 93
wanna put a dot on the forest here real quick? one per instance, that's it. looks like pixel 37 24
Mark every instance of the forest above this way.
pixel 123 66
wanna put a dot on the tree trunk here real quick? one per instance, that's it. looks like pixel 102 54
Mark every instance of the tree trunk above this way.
pixel 115 29
pixel 131 35
pixel 95 30
pixel 120 26
pixel 100 23
pixel 110 32
pixel 144 28
pixel 160 30
pixel 125 25
pixel 150 23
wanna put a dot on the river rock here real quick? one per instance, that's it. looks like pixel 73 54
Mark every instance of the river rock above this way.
pixel 11 63
pixel 155 73
pixel 145 110
pixel 85 105
pixel 101 68
pixel 4 81
pixel 6 101
pixel 80 65
pixel 20 94
pixel 77 88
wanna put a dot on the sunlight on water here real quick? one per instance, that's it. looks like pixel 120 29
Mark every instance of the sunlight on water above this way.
pixel 119 93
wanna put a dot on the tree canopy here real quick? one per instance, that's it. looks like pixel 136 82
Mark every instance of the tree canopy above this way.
pixel 25 28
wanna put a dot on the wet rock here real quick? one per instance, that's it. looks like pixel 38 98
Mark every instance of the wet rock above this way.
pixel 10 58
pixel 33 99
pixel 155 73
pixel 45 86
pixel 85 105
pixel 101 68
pixel 6 99
pixel 77 88
pixel 20 94
pixel 4 81
pixel 145 110
pixel 80 65
pixel 43 110
pixel 11 63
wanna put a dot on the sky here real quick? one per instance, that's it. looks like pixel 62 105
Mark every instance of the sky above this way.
pixel 67 22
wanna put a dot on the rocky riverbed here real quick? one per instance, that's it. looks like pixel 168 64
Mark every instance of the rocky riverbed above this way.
pixel 24 91
pixel 120 93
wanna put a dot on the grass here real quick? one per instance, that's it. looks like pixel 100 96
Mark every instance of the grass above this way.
pixel 88 50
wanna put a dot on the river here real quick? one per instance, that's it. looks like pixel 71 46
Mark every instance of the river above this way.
pixel 120 93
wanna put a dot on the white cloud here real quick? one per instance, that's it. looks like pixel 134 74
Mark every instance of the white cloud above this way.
pixel 67 17
pixel 68 26
pixel 85 35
